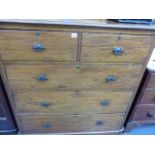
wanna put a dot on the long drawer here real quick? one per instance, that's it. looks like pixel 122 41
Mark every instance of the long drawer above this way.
pixel 38 46
pixel 99 47
pixel 73 77
pixel 70 123
pixel 73 102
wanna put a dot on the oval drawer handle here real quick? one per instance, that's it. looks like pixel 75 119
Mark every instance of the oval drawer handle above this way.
pixel 42 77
pixel 117 50
pixel 38 47
pixel 99 123
pixel 111 78
pixel 45 104
pixel 149 114
pixel 105 102
pixel 47 125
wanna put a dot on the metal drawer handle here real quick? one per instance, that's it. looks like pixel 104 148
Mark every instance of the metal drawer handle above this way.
pixel 38 47
pixel 105 102
pixel 3 118
pixel 42 77
pixel 111 78
pixel 99 123
pixel 118 50
pixel 45 104
pixel 47 125
pixel 149 114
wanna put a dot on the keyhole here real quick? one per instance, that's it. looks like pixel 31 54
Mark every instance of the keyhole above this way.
pixel 119 38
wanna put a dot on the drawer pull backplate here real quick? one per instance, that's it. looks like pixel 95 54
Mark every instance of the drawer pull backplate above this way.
pixel 38 47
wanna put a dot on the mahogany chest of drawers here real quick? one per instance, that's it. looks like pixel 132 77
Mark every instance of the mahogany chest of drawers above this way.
pixel 72 79
pixel 143 112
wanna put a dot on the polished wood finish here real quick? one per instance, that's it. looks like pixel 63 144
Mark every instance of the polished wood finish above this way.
pixel 71 123
pixel 143 111
pixel 76 72
pixel 72 102
pixel 148 97
pixel 73 77
pixel 106 28
pixel 151 83
pixel 98 47
pixel 144 114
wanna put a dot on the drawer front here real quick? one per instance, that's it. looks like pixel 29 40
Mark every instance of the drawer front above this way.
pixel 71 123
pixel 71 77
pixel 33 45
pixel 151 82
pixel 144 113
pixel 148 97
pixel 114 48
pixel 72 102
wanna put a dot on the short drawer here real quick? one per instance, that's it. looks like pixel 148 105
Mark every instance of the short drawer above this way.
pixel 99 47
pixel 144 114
pixel 35 46
pixel 73 77
pixel 72 102
pixel 71 123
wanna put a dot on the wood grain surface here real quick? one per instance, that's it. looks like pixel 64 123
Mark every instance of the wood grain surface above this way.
pixel 71 123
pixel 17 45
pixel 150 85
pixel 73 77
pixel 109 28
pixel 147 97
pixel 76 62
pixel 144 113
pixel 74 102
pixel 98 47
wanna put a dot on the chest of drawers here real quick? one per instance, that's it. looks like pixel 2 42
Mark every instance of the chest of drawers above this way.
pixel 72 79
pixel 143 111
